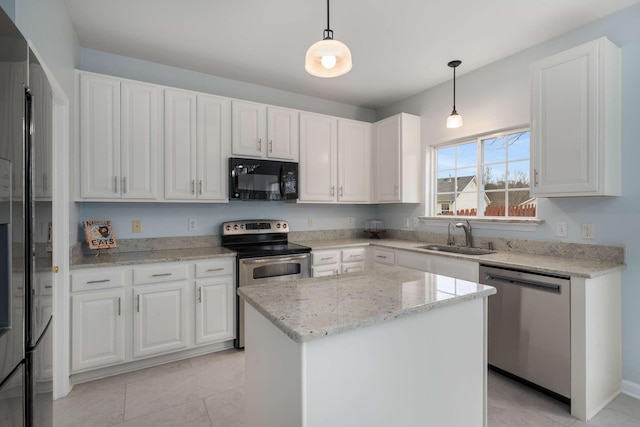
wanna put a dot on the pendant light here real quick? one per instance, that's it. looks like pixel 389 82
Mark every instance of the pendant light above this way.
pixel 328 57
pixel 454 120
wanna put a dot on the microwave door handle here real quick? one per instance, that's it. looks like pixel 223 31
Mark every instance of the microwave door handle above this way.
pixel 282 182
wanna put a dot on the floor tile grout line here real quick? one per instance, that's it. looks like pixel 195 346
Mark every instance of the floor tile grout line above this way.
pixel 206 408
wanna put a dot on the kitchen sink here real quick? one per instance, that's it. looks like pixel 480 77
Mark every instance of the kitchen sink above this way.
pixel 457 249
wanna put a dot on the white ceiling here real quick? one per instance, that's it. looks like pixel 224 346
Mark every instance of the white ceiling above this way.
pixel 399 47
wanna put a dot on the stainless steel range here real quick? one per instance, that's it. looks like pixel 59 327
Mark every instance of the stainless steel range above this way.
pixel 264 256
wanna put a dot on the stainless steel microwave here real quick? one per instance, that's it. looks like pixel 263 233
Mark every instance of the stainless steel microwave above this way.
pixel 255 179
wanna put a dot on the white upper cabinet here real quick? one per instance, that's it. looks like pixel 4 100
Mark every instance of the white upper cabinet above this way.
pixel 397 160
pixel 264 132
pixel 283 134
pixel 249 129
pixel 120 138
pixel 318 158
pixel 575 123
pixel 354 161
pixel 197 143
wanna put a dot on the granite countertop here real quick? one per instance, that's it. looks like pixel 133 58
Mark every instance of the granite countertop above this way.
pixel 106 259
pixel 310 309
pixel 538 263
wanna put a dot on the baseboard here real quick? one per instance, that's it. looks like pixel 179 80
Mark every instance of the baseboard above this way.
pixel 631 388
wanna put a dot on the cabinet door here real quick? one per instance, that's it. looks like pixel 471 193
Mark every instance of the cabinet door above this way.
pixel 179 145
pixel 318 158
pixel 213 126
pixel 575 122
pixel 215 309
pixel 99 137
pixel 160 318
pixel 97 329
pixel 283 134
pixel 354 161
pixel 249 132
pixel 141 125
pixel 387 134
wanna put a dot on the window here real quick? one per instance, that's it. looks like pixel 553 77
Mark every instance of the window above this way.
pixel 487 176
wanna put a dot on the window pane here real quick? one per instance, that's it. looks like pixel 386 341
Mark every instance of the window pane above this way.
pixel 494 176
pixel 521 203
pixel 467 154
pixel 445 204
pixel 467 203
pixel 466 180
pixel 519 146
pixel 494 203
pixel 519 174
pixel 446 158
pixel 495 150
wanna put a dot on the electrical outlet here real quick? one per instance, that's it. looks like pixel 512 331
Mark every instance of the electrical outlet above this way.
pixel 193 224
pixel 588 231
pixel 561 229
pixel 136 226
pixel 310 221
pixel 350 220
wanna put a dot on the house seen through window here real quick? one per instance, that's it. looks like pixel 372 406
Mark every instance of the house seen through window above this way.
pixel 487 176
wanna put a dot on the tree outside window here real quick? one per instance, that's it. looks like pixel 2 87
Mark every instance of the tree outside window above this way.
pixel 488 176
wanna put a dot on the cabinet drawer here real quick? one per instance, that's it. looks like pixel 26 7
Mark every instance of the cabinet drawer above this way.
pixel 325 257
pixel 160 273
pixel 354 255
pixel 92 280
pixel 352 267
pixel 325 270
pixel 382 256
pixel 214 268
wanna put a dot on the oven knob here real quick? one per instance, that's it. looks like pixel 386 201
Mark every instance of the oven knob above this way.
pixel 241 225
pixel 228 227
pixel 235 227
pixel 278 225
pixel 284 225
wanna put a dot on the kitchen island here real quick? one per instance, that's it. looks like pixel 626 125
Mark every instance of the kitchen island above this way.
pixel 386 347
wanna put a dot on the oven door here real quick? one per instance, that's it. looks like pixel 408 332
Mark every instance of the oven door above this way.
pixel 256 271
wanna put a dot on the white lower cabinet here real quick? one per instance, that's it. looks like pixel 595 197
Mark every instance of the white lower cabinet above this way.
pixel 331 262
pixel 383 257
pixel 160 319
pixel 437 264
pixel 124 314
pixel 214 309
pixel 97 329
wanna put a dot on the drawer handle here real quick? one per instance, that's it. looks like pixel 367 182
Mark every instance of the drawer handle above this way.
pixel 216 269
pixel 161 274
pixel 98 281
pixel 48 287
pixel 326 258
pixel 381 256
pixel 354 256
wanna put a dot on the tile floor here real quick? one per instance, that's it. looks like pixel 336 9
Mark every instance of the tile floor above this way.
pixel 208 391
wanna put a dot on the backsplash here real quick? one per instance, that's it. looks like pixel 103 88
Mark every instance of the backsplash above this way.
pixel 526 246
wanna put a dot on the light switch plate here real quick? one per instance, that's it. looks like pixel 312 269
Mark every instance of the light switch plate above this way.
pixel 136 226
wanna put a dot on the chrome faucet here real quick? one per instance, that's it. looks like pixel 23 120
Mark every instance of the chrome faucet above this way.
pixel 450 239
pixel 467 232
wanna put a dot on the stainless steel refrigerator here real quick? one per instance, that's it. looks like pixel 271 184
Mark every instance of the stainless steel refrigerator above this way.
pixel 25 228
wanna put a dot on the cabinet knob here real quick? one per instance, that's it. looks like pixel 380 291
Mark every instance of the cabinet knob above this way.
pixel 55 269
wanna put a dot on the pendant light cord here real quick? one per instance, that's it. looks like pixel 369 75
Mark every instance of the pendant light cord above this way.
pixel 328 33
pixel 454 89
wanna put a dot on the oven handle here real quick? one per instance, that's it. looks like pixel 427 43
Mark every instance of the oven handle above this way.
pixel 274 259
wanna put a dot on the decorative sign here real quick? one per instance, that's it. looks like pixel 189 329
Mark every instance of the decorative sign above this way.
pixel 99 234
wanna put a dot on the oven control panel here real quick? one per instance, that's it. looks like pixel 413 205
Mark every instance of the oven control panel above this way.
pixel 255 226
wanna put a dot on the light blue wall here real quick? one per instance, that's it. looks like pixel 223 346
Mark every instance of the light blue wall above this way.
pixel 496 97
pixel 165 220
pixel 137 69
pixel 9 7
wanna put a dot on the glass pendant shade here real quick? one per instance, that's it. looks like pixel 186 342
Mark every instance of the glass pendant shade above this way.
pixel 328 58
pixel 454 120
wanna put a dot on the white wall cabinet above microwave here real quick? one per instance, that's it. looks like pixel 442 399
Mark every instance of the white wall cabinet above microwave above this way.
pixel 120 138
pixel 263 131
pixel 575 122
pixel 197 145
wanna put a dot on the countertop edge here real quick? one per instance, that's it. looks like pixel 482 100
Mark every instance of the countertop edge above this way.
pixel 152 260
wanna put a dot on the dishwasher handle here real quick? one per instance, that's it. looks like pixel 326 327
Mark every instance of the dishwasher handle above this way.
pixel 540 286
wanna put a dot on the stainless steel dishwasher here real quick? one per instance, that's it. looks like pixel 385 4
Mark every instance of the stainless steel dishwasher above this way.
pixel 529 328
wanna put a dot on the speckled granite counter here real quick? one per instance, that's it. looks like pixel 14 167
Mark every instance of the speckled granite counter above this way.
pixel 309 309
pixel 545 264
pixel 148 257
